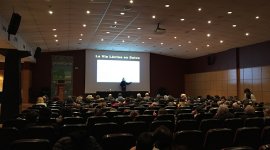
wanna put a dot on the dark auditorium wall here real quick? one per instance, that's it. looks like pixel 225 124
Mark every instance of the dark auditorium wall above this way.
pixel 167 73
pixel 42 71
pixel 254 55
pixel 220 61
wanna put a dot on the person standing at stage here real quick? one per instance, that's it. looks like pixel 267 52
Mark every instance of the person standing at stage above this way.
pixel 124 84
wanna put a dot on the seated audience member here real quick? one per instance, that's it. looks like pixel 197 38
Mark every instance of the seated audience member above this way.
pixel 139 97
pixel 223 113
pixel 236 107
pixel 145 141
pixel 266 112
pixel 110 97
pixel 249 112
pixel 162 111
pixel 77 140
pixel 40 101
pixel 146 97
pixel 98 112
pixel 31 116
pixel 120 97
pixel 197 113
pixel 89 98
pixel 133 114
pixel 182 100
pixel 163 138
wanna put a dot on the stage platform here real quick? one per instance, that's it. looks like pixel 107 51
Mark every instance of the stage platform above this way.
pixel 124 94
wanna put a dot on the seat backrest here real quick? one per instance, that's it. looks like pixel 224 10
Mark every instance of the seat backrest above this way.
pixel 96 119
pixel 101 129
pixel 135 127
pixel 207 124
pixel 247 136
pixel 238 148
pixel 73 120
pixel 157 123
pixel 188 138
pixel 40 132
pixel 182 116
pixel 187 124
pixel 119 141
pixel 265 135
pixel 7 135
pixel 166 117
pixel 121 119
pixel 68 128
pixel 233 123
pixel 30 144
pixel 254 122
pixel 218 138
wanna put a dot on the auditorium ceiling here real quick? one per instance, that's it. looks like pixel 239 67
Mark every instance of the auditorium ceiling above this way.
pixel 178 28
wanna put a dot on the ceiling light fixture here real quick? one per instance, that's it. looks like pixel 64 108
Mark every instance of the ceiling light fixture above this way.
pixel 189 42
pixel 88 12
pixel 102 39
pixel 179 45
pixel 161 43
pixel 182 19
pixel 139 28
pixel 199 9
pixel 175 37
pixel 257 17
pixel 56 40
pixel 123 41
pixel 81 34
pixel 196 48
pixel 108 32
pixel 50 12
pixel 80 39
pixel 131 1
pixel 142 42
pixel 207 45
pixel 247 34
pixel 54 29
pixel 234 25
pixel 209 21
pixel 229 12
pixel 167 6
pixel 122 13
pixel 128 36
pixel 208 34
pixel 193 29
pixel 154 17
pixel 221 41
pixel 55 35
pixel 84 25
pixel 149 38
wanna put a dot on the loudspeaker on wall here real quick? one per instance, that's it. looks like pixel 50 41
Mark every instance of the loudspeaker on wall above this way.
pixel 14 23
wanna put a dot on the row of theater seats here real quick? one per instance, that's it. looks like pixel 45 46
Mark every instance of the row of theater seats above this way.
pixel 214 139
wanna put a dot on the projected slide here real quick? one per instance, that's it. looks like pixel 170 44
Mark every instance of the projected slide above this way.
pixel 115 70
pixel 104 70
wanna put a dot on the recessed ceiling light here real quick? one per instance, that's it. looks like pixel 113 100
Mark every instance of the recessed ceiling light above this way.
pixel 80 39
pixel 128 36
pixel 208 34
pixel 229 12
pixel 247 34
pixel 150 38
pixel 102 39
pixel 84 25
pixel 161 43
pixel 189 42
pixel 257 17
pixel 221 41
pixel 87 11
pixel 234 25
pixel 139 28
pixel 131 2
pixel 209 21
pixel 55 35
pixel 113 26
pixel 123 41
pixel 56 40
pixel 175 37
pixel 54 29
pixel 196 48
pixel 179 45
pixel 142 42
pixel 154 17
pixel 108 32
pixel 50 12
pixel 122 13
pixel 182 19
pixel 167 6
pixel 115 22
pixel 193 29
pixel 199 9
pixel 207 45
pixel 81 34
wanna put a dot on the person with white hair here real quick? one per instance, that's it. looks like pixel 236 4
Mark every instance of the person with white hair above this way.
pixel 146 97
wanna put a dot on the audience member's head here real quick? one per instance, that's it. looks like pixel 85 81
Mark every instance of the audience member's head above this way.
pixel 163 138
pixel 145 141
pixel 267 112
pixel 133 114
pixel 249 109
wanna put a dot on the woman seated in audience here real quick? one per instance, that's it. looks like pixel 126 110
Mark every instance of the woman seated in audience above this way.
pixel 133 114
pixel 266 112
pixel 223 113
